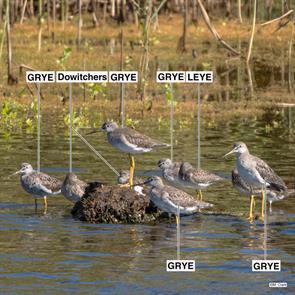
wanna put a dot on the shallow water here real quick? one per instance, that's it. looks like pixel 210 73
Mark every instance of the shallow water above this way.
pixel 55 254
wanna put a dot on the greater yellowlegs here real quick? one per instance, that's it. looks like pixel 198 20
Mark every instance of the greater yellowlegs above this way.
pixel 197 179
pixel 38 184
pixel 272 195
pixel 168 198
pixel 73 188
pixel 256 173
pixel 170 171
pixel 130 141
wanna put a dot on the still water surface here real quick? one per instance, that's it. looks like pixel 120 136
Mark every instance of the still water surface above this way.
pixel 55 254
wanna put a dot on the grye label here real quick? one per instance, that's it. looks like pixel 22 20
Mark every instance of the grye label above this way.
pixel 266 265
pixel 180 265
pixel 40 76
pixel 185 77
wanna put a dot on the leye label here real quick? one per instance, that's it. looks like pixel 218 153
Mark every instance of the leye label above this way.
pixel 180 265
pixel 266 265
pixel 185 77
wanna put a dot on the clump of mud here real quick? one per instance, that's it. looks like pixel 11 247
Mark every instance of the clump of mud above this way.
pixel 114 204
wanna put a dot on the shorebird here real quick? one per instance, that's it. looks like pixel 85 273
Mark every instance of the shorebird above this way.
pixel 168 198
pixel 272 195
pixel 124 180
pixel 73 188
pixel 170 171
pixel 38 184
pixel 129 141
pixel 256 173
pixel 196 178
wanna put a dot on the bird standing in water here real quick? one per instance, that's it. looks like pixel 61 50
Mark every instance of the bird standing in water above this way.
pixel 129 141
pixel 197 179
pixel 272 195
pixel 169 199
pixel 256 174
pixel 73 188
pixel 38 184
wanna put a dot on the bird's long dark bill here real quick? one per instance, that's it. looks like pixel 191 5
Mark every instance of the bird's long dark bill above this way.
pixel 142 183
pixel 232 151
pixel 93 131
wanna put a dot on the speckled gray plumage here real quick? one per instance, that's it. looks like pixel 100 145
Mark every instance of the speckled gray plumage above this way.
pixel 131 141
pixel 167 198
pixel 197 178
pixel 73 188
pixel 271 194
pixel 40 184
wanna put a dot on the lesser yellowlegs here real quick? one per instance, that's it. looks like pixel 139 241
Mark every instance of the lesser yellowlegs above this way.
pixel 168 198
pixel 197 179
pixel 272 195
pixel 73 188
pixel 38 184
pixel 130 141
pixel 256 173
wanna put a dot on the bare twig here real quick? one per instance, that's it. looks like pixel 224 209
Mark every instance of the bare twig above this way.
pixel 276 19
pixel 212 29
pixel 252 32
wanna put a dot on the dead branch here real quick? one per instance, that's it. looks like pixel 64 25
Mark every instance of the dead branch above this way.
pixel 213 31
pixel 277 19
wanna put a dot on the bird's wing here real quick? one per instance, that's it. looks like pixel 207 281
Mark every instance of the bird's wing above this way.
pixel 140 140
pixel 268 174
pixel 180 198
pixel 202 176
pixel 49 183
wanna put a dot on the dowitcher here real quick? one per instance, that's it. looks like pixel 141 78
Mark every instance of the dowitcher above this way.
pixel 130 141
pixel 197 179
pixel 38 184
pixel 73 188
pixel 256 173
pixel 272 195
pixel 168 198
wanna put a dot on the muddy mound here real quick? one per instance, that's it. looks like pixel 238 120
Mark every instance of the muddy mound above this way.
pixel 114 204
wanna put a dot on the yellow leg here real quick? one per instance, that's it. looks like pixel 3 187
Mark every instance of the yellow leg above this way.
pixel 132 167
pixel 197 195
pixel 252 202
pixel 201 195
pixel 262 205
pixel 36 204
pixel 177 220
pixel 45 205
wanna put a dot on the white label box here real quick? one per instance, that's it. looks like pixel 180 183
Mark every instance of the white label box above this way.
pixel 266 265
pixel 199 77
pixel 81 76
pixel 40 76
pixel 180 265
pixel 170 76
pixel 123 76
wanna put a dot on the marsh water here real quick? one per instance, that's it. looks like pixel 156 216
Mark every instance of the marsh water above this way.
pixel 55 254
